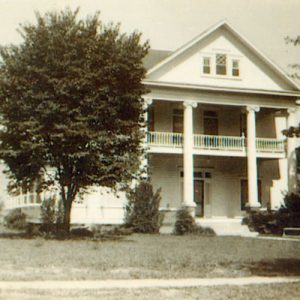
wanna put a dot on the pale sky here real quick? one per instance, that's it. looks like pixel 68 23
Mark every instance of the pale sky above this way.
pixel 170 23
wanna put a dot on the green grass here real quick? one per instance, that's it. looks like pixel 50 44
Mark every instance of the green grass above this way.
pixel 290 291
pixel 147 256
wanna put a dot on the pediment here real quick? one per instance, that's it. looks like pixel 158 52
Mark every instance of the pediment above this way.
pixel 221 57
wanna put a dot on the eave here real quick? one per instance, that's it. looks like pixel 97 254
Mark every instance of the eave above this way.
pixel 208 88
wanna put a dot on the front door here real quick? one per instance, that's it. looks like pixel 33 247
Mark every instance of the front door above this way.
pixel 199 197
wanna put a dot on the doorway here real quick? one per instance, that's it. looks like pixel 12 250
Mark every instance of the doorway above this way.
pixel 202 182
pixel 199 197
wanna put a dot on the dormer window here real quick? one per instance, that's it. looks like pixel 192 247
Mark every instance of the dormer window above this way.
pixel 206 65
pixel 220 65
pixel 221 62
pixel 235 68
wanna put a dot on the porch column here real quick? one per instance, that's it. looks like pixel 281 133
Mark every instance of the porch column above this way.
pixel 251 157
pixel 144 165
pixel 291 154
pixel 188 161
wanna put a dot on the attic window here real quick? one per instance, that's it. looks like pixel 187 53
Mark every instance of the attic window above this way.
pixel 206 65
pixel 235 68
pixel 221 60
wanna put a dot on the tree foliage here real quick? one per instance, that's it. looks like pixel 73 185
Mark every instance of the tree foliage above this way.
pixel 295 66
pixel 293 131
pixel 71 105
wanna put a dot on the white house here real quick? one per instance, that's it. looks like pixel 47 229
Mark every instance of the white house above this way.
pixel 216 112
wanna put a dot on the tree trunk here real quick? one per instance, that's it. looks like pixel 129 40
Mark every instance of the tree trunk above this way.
pixel 67 199
pixel 67 215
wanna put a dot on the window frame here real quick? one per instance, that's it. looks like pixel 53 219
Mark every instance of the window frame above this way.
pixel 233 68
pixel 230 60
pixel 221 62
pixel 204 65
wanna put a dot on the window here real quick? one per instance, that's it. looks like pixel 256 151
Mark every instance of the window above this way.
pixel 210 122
pixel 178 120
pixel 199 174
pixel 221 61
pixel 235 68
pixel 206 65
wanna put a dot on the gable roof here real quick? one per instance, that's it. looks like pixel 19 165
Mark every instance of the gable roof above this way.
pixel 243 40
pixel 153 57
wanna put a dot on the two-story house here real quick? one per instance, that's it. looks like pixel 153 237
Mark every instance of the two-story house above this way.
pixel 216 112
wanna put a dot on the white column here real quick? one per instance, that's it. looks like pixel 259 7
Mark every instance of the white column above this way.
pixel 251 157
pixel 188 161
pixel 291 154
pixel 280 186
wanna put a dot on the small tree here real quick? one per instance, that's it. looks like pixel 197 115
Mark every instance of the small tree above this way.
pixel 71 105
pixel 142 210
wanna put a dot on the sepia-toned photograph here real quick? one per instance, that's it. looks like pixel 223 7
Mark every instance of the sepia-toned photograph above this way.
pixel 149 149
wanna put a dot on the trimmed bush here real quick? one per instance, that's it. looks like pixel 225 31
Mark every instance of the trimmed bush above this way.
pixel 185 223
pixel 142 210
pixel 15 219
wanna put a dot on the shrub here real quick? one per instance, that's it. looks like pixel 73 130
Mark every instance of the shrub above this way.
pixel 291 203
pixel 185 223
pixel 142 210
pixel 15 219
pixel 81 232
pixel 204 231
pixel 264 222
pixel 51 216
pixel 273 222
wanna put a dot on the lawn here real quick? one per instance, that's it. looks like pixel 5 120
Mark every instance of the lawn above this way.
pixel 147 256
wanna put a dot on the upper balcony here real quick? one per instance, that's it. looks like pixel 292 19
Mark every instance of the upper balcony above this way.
pixel 169 142
pixel 218 130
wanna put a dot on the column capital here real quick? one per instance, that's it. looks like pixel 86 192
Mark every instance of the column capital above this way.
pixel 147 102
pixel 291 110
pixel 252 108
pixel 187 103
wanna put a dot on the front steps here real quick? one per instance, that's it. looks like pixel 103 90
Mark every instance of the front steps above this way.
pixel 227 226
pixel 221 226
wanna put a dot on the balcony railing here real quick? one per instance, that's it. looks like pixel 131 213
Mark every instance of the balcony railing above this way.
pixel 270 145
pixel 169 139
pixel 215 142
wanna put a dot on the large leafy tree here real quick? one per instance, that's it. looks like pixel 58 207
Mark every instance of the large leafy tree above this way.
pixel 71 104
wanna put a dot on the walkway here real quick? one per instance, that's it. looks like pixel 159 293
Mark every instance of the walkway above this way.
pixel 141 283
